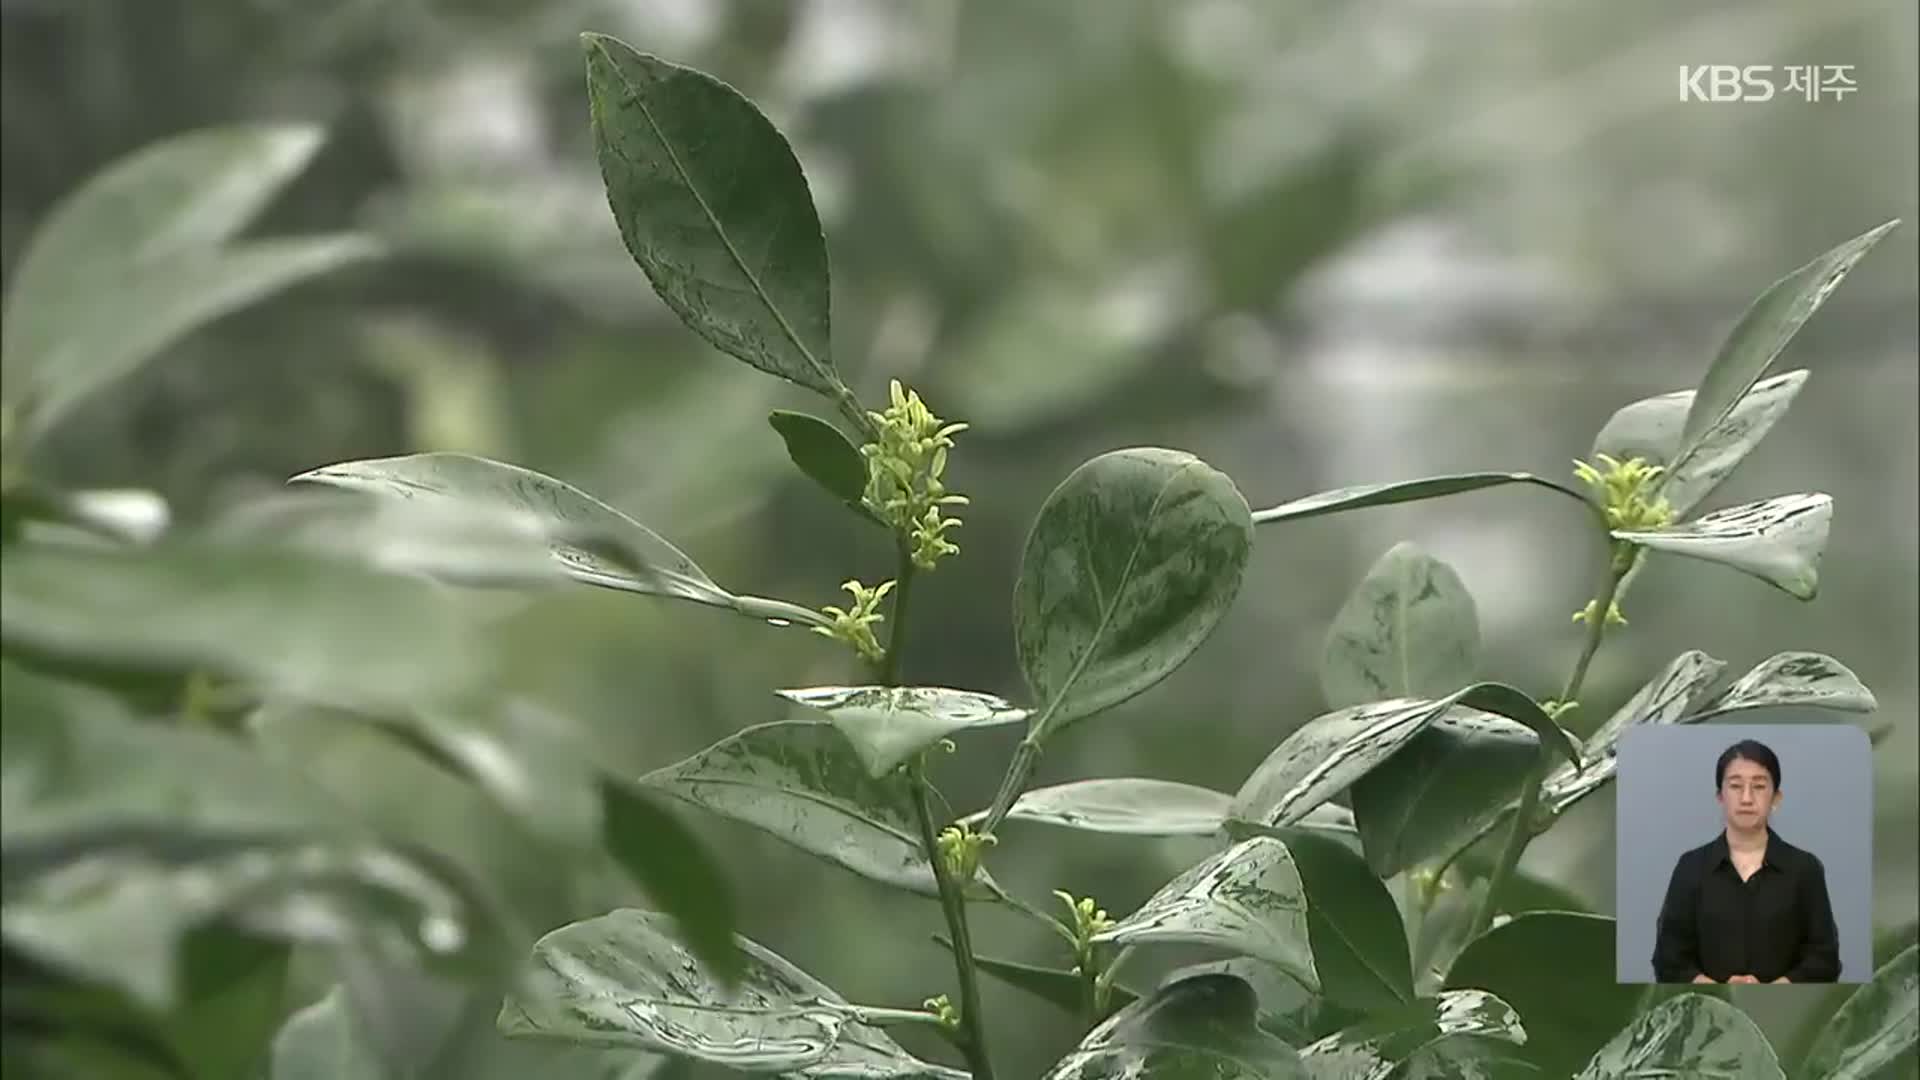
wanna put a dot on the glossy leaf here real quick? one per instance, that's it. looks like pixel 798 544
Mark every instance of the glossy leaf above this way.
pixel 1132 806
pixel 623 980
pixel 678 873
pixel 1667 698
pixel 142 241
pixel 1778 540
pixel 1329 753
pixel 1764 331
pixel 1650 429
pixel 1374 1048
pixel 360 638
pixel 820 451
pixel 803 783
pixel 1359 943
pixel 1063 988
pixel 1571 1006
pixel 1689 1035
pixel 1199 1027
pixel 1286 1007
pixel 713 206
pixel 1874 1035
pixel 319 1042
pixel 889 724
pixel 1248 899
pixel 1409 630
pixel 1131 563
pixel 1364 496
pixel 1793 679
pixel 592 542
pixel 1447 784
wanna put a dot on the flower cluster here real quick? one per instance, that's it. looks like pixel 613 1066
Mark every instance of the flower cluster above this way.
pixel 1628 492
pixel 960 850
pixel 855 627
pixel 1614 616
pixel 1088 919
pixel 943 1011
pixel 904 468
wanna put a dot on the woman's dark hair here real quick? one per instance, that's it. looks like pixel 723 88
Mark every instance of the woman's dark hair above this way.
pixel 1751 750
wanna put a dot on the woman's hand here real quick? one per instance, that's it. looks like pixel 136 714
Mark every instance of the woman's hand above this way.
pixel 1702 978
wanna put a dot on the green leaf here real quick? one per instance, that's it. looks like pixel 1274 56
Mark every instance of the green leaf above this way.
pixel 1359 943
pixel 1689 1035
pixel 621 980
pixel 1130 805
pixel 1063 988
pixel 1764 331
pixel 803 783
pixel 142 241
pixel 683 879
pixel 320 1042
pixel 1409 629
pixel 592 542
pixel 889 724
pixel 1199 1027
pixel 1376 1046
pixel 1131 563
pixel 1248 899
pixel 1329 753
pixel 1287 1008
pixel 361 638
pixel 116 907
pixel 1778 540
pixel 1557 971
pixel 1792 679
pixel 1448 783
pixel 1650 430
pixel 1873 1036
pixel 1667 698
pixel 125 516
pixel 713 206
pixel 73 350
pixel 1363 496
pixel 825 455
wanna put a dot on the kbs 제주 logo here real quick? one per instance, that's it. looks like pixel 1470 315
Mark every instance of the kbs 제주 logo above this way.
pixel 1765 82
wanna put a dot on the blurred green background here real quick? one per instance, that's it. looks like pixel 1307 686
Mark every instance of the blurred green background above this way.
pixel 1316 244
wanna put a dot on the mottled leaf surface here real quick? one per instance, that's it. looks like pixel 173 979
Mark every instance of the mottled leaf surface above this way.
pixel 1363 496
pixel 1200 1028
pixel 1248 899
pixel 1448 783
pixel 1569 1006
pixel 1692 1035
pixel 1667 698
pixel 712 204
pixel 1131 805
pixel 1764 331
pixel 1409 630
pixel 1376 1047
pixel 622 980
pixel 1778 540
pixel 1131 563
pixel 1650 429
pixel 1793 679
pixel 1874 1035
pixel 886 725
pixel 802 782
pixel 1329 753
pixel 1286 1007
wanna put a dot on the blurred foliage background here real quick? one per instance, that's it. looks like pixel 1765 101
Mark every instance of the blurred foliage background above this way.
pixel 1316 244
